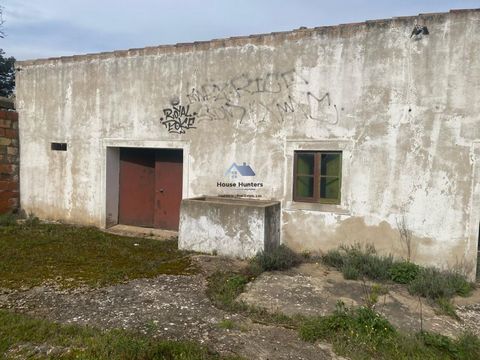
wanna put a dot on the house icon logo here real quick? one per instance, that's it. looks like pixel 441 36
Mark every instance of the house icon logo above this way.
pixel 234 171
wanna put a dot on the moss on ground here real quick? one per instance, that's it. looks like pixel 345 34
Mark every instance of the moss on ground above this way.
pixel 73 256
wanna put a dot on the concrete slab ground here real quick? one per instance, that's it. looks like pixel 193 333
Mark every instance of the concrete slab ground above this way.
pixel 314 289
pixel 137 231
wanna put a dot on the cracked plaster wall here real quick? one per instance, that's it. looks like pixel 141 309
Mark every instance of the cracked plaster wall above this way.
pixel 404 111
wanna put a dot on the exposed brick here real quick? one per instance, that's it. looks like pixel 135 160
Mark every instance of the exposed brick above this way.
pixel 5 123
pixel 8 169
pixel 14 142
pixel 5 207
pixel 11 150
pixel 5 141
pixel 9 115
pixel 15 125
pixel 8 194
pixel 8 185
pixel 9 204
pixel 12 115
pixel 11 134
pixel 2 132
pixel 14 202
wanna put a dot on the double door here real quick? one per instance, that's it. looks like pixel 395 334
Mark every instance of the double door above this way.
pixel 150 187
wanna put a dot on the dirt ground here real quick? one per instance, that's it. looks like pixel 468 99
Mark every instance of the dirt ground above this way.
pixel 176 307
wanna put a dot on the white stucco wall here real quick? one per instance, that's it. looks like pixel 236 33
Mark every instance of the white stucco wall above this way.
pixel 404 112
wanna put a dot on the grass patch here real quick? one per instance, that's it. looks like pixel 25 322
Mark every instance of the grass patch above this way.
pixel 32 253
pixel 361 333
pixel 446 307
pixel 23 335
pixel 224 287
pixel 8 219
pixel 227 324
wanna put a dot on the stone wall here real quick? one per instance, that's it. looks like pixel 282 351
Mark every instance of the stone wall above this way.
pixel 9 159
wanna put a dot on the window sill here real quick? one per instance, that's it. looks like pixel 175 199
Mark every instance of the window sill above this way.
pixel 330 208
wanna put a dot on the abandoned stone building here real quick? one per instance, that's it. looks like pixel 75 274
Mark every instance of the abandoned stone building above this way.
pixel 357 130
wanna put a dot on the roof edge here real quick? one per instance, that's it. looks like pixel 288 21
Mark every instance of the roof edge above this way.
pixel 235 40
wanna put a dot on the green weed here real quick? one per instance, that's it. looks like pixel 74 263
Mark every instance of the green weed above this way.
pixel 404 272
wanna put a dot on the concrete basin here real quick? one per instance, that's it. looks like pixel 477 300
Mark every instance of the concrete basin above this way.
pixel 229 226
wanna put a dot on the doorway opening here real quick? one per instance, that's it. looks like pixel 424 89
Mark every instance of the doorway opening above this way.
pixel 150 187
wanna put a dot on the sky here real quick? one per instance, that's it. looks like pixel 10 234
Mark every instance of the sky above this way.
pixel 50 28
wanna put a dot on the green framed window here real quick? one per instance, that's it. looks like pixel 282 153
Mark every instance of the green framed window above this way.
pixel 317 176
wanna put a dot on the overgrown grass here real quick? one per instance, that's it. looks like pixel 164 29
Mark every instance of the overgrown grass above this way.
pixel 362 333
pixel 357 262
pixel 22 336
pixel 32 253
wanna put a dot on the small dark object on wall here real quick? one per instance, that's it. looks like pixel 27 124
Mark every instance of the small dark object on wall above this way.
pixel 59 146
pixel 419 30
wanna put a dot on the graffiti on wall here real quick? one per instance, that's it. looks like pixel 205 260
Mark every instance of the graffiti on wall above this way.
pixel 177 118
pixel 274 96
pixel 244 98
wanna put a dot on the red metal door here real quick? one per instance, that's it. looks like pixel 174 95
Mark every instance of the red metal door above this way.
pixel 168 188
pixel 137 186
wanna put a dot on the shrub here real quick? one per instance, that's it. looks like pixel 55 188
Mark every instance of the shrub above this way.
pixel 356 261
pixel 435 284
pixel 350 272
pixel 333 258
pixel 404 272
pixel 280 258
